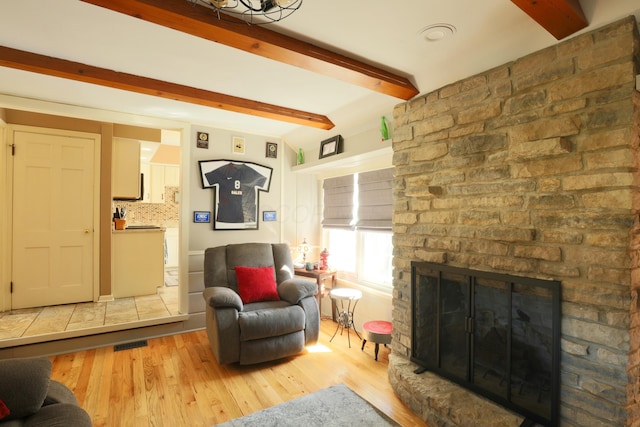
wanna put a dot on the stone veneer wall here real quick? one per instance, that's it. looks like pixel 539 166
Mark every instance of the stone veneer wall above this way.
pixel 531 169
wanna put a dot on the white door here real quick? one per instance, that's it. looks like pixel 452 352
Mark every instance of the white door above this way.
pixel 54 216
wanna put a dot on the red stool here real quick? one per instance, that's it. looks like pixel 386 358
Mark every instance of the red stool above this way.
pixel 377 331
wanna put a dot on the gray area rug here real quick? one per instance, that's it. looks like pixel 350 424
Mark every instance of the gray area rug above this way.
pixel 334 406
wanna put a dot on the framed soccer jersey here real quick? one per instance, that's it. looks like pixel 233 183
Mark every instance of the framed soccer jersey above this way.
pixel 237 186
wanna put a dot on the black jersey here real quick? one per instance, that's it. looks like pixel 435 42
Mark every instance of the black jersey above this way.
pixel 237 192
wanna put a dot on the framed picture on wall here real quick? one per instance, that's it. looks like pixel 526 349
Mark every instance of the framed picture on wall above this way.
pixel 237 145
pixel 271 150
pixel 201 216
pixel 237 186
pixel 202 140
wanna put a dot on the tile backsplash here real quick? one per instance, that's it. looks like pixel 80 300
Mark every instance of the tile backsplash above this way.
pixel 162 214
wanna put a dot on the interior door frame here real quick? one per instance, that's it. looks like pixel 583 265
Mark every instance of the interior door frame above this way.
pixel 8 226
pixel 5 235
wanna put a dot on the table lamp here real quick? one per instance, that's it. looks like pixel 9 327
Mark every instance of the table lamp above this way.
pixel 304 248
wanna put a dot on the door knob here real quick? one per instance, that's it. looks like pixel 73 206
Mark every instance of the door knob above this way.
pixel 86 231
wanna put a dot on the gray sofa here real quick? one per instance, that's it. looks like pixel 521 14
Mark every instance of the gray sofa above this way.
pixel 28 397
pixel 263 330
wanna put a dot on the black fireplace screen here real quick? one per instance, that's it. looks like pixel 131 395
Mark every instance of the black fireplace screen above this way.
pixel 496 334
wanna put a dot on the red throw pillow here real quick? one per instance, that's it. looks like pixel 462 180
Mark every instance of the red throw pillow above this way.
pixel 4 411
pixel 256 284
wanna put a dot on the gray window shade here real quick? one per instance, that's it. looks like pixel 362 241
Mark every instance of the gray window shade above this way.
pixel 338 202
pixel 375 199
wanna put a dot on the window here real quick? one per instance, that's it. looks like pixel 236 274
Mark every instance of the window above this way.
pixel 362 256
pixel 357 222
pixel 341 245
pixel 376 261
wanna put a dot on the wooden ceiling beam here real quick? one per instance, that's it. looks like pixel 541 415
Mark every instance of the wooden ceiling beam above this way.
pixel 559 17
pixel 200 21
pixel 56 67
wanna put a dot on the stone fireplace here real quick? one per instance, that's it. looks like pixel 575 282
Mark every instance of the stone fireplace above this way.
pixel 531 169
pixel 495 334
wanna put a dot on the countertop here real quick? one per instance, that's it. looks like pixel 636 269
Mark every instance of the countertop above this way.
pixel 141 230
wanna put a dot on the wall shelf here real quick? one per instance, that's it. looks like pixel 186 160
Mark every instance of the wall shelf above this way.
pixel 369 159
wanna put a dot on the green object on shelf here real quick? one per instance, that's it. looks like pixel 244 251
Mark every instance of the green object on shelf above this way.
pixel 384 130
pixel 300 156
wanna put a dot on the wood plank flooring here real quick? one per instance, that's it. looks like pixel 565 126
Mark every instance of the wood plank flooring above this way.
pixel 176 381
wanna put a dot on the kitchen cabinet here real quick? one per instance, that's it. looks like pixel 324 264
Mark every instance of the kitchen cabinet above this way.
pixel 171 176
pixel 125 177
pixel 157 184
pixel 137 262
pixel 156 178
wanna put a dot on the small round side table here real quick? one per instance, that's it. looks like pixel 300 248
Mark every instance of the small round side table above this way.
pixel 344 315
pixel 377 331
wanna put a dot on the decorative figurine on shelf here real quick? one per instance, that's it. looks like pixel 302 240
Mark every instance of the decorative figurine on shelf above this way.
pixel 324 259
pixel 384 130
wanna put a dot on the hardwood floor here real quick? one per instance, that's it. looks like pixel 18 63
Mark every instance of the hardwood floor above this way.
pixel 176 381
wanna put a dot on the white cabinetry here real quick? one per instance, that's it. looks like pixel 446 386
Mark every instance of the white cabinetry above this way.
pixel 156 178
pixel 137 262
pixel 157 184
pixel 125 177
pixel 171 176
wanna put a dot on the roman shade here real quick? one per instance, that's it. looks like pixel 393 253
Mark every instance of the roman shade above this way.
pixel 338 202
pixel 375 200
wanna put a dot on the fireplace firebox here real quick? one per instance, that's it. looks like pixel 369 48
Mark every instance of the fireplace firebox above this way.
pixel 495 334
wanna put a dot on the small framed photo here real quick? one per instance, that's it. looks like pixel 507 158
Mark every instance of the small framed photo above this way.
pixel 203 140
pixel 237 145
pixel 272 150
pixel 269 216
pixel 331 146
pixel 201 216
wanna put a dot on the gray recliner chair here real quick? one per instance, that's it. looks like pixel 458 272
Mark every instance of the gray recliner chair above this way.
pixel 257 331
pixel 29 397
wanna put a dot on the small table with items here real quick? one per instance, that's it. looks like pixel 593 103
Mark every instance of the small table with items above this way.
pixel 320 276
pixel 345 314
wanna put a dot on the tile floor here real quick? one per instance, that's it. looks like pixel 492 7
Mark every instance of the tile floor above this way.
pixel 31 322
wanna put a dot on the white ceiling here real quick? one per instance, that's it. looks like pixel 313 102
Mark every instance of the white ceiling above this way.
pixel 489 33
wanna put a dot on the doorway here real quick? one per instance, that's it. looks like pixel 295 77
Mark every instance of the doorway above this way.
pixel 54 186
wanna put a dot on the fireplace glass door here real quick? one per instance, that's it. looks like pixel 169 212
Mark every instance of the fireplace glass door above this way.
pixel 497 335
pixel 454 312
pixel 490 336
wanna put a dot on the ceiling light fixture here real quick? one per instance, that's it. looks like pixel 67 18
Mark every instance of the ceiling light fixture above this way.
pixel 253 12
pixel 436 32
